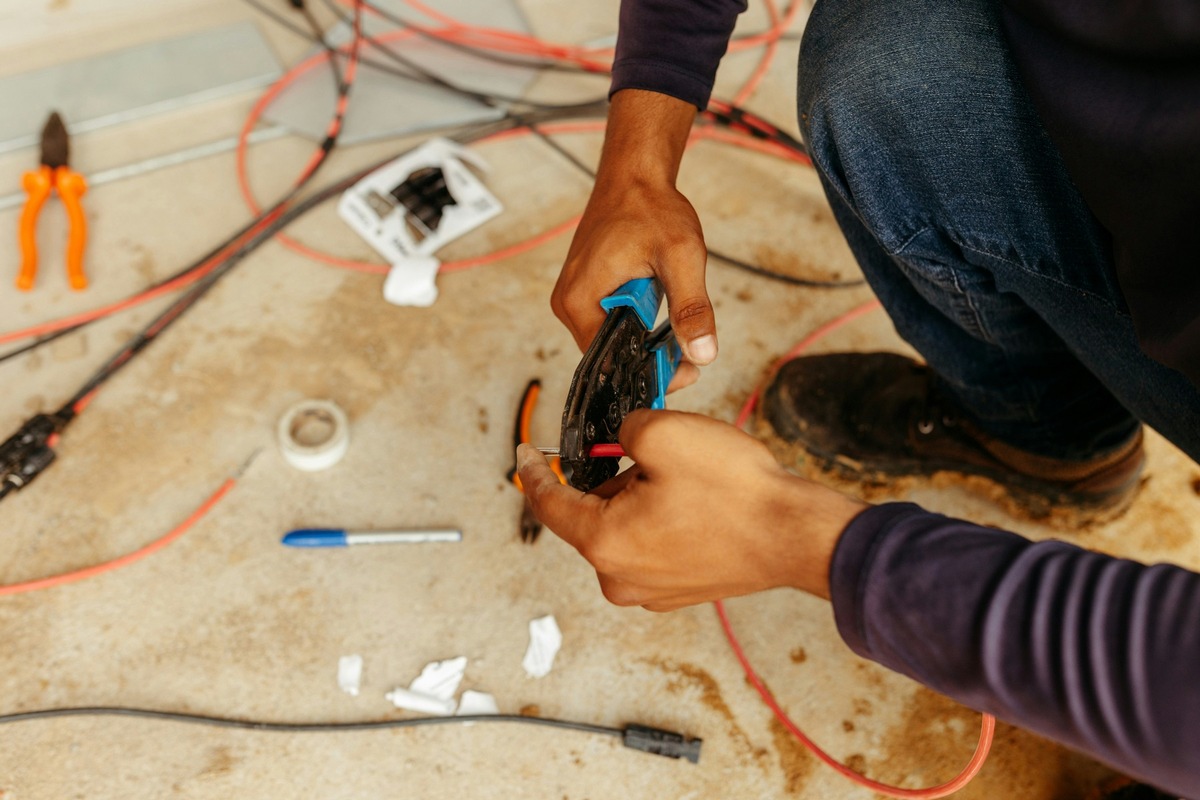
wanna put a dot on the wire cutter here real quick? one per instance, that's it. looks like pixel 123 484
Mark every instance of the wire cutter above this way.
pixel 54 173
pixel 530 526
pixel 629 365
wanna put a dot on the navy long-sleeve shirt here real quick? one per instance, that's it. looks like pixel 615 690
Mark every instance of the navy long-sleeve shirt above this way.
pixel 1099 653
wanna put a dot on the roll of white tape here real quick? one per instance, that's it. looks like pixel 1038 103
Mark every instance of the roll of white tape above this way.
pixel 314 435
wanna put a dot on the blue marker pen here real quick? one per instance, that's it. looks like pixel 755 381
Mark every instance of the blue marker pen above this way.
pixel 339 537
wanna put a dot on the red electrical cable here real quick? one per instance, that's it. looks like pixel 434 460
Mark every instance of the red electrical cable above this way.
pixel 778 26
pixel 986 733
pixel 125 560
pixel 987 729
pixel 206 267
pixel 182 281
pixel 112 308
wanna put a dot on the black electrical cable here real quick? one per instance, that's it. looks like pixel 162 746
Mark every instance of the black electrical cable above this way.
pixel 181 304
pixel 724 119
pixel 301 727
pixel 399 21
pixel 319 35
pixel 728 259
pixel 656 741
pixel 478 52
pixel 286 217
pixel 414 72
pixel 462 134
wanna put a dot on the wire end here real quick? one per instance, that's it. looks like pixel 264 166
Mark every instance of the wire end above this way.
pixel 661 742
pixel 241 470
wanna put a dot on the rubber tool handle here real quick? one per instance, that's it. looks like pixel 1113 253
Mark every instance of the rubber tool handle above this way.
pixel 71 187
pixel 521 432
pixel 37 186
pixel 643 295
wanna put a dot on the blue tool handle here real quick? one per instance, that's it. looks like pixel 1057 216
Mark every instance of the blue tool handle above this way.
pixel 643 295
pixel 667 355
pixel 316 537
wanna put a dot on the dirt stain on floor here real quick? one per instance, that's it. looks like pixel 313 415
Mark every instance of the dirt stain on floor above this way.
pixel 221 761
pixel 936 737
pixel 793 265
pixel 687 678
pixel 795 761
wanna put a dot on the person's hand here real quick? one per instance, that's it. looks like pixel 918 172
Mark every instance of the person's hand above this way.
pixel 637 225
pixel 705 513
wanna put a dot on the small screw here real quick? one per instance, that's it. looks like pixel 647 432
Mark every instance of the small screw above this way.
pixel 589 431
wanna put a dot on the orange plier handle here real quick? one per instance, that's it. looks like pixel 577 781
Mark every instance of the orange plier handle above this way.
pixel 71 187
pixel 521 432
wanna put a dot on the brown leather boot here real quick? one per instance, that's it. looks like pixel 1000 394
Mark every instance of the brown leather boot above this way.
pixel 874 418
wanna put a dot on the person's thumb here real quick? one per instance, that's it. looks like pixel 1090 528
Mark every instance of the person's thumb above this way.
pixel 691 311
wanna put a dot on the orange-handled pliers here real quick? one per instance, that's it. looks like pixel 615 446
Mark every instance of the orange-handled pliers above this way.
pixel 54 173
pixel 530 527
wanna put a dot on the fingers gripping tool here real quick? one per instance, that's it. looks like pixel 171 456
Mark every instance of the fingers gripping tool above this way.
pixel 628 366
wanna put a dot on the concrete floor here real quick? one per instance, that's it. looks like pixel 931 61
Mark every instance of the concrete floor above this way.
pixel 228 622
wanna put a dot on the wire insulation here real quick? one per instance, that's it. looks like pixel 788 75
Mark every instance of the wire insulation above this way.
pixel 301 727
pixel 988 725
pixel 130 558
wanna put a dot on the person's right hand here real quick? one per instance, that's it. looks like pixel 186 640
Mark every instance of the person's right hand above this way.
pixel 638 225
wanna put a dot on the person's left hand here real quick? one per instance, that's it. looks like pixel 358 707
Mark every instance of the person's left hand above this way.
pixel 705 513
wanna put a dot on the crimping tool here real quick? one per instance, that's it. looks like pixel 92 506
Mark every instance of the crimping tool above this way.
pixel 629 365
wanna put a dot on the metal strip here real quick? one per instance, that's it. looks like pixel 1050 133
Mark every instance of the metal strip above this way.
pixel 162 162
pixel 135 82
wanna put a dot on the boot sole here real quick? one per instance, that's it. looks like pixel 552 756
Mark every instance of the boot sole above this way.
pixel 1021 499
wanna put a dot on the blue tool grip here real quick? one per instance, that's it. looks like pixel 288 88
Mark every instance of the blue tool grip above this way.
pixel 315 537
pixel 666 360
pixel 643 295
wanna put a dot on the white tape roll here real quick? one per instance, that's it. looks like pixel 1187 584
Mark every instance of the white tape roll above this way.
pixel 314 435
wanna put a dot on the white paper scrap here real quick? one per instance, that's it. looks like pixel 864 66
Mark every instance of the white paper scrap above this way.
pixel 350 670
pixel 417 701
pixel 412 281
pixel 440 679
pixel 477 703
pixel 544 641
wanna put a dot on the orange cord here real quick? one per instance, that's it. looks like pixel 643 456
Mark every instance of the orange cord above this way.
pixel 182 281
pixel 125 560
pixel 986 733
pixel 988 726
pixel 771 38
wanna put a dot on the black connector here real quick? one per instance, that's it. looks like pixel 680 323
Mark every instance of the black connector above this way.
pixel 662 743
pixel 25 454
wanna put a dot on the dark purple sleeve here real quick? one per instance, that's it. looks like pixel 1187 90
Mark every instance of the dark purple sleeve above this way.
pixel 1099 653
pixel 673 46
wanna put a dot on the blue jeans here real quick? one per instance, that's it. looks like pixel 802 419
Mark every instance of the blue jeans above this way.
pixel 968 228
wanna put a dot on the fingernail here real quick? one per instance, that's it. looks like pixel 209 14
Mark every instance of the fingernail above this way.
pixel 702 350
pixel 524 455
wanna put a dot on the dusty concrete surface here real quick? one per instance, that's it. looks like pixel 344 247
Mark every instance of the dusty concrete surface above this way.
pixel 227 622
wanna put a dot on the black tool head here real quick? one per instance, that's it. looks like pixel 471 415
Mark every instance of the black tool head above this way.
pixel 613 378
pixel 55 146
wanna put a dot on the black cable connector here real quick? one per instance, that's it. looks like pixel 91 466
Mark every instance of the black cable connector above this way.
pixel 662 743
pixel 27 453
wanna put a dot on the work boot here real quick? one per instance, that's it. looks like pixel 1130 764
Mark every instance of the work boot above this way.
pixel 874 418
pixel 1125 789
